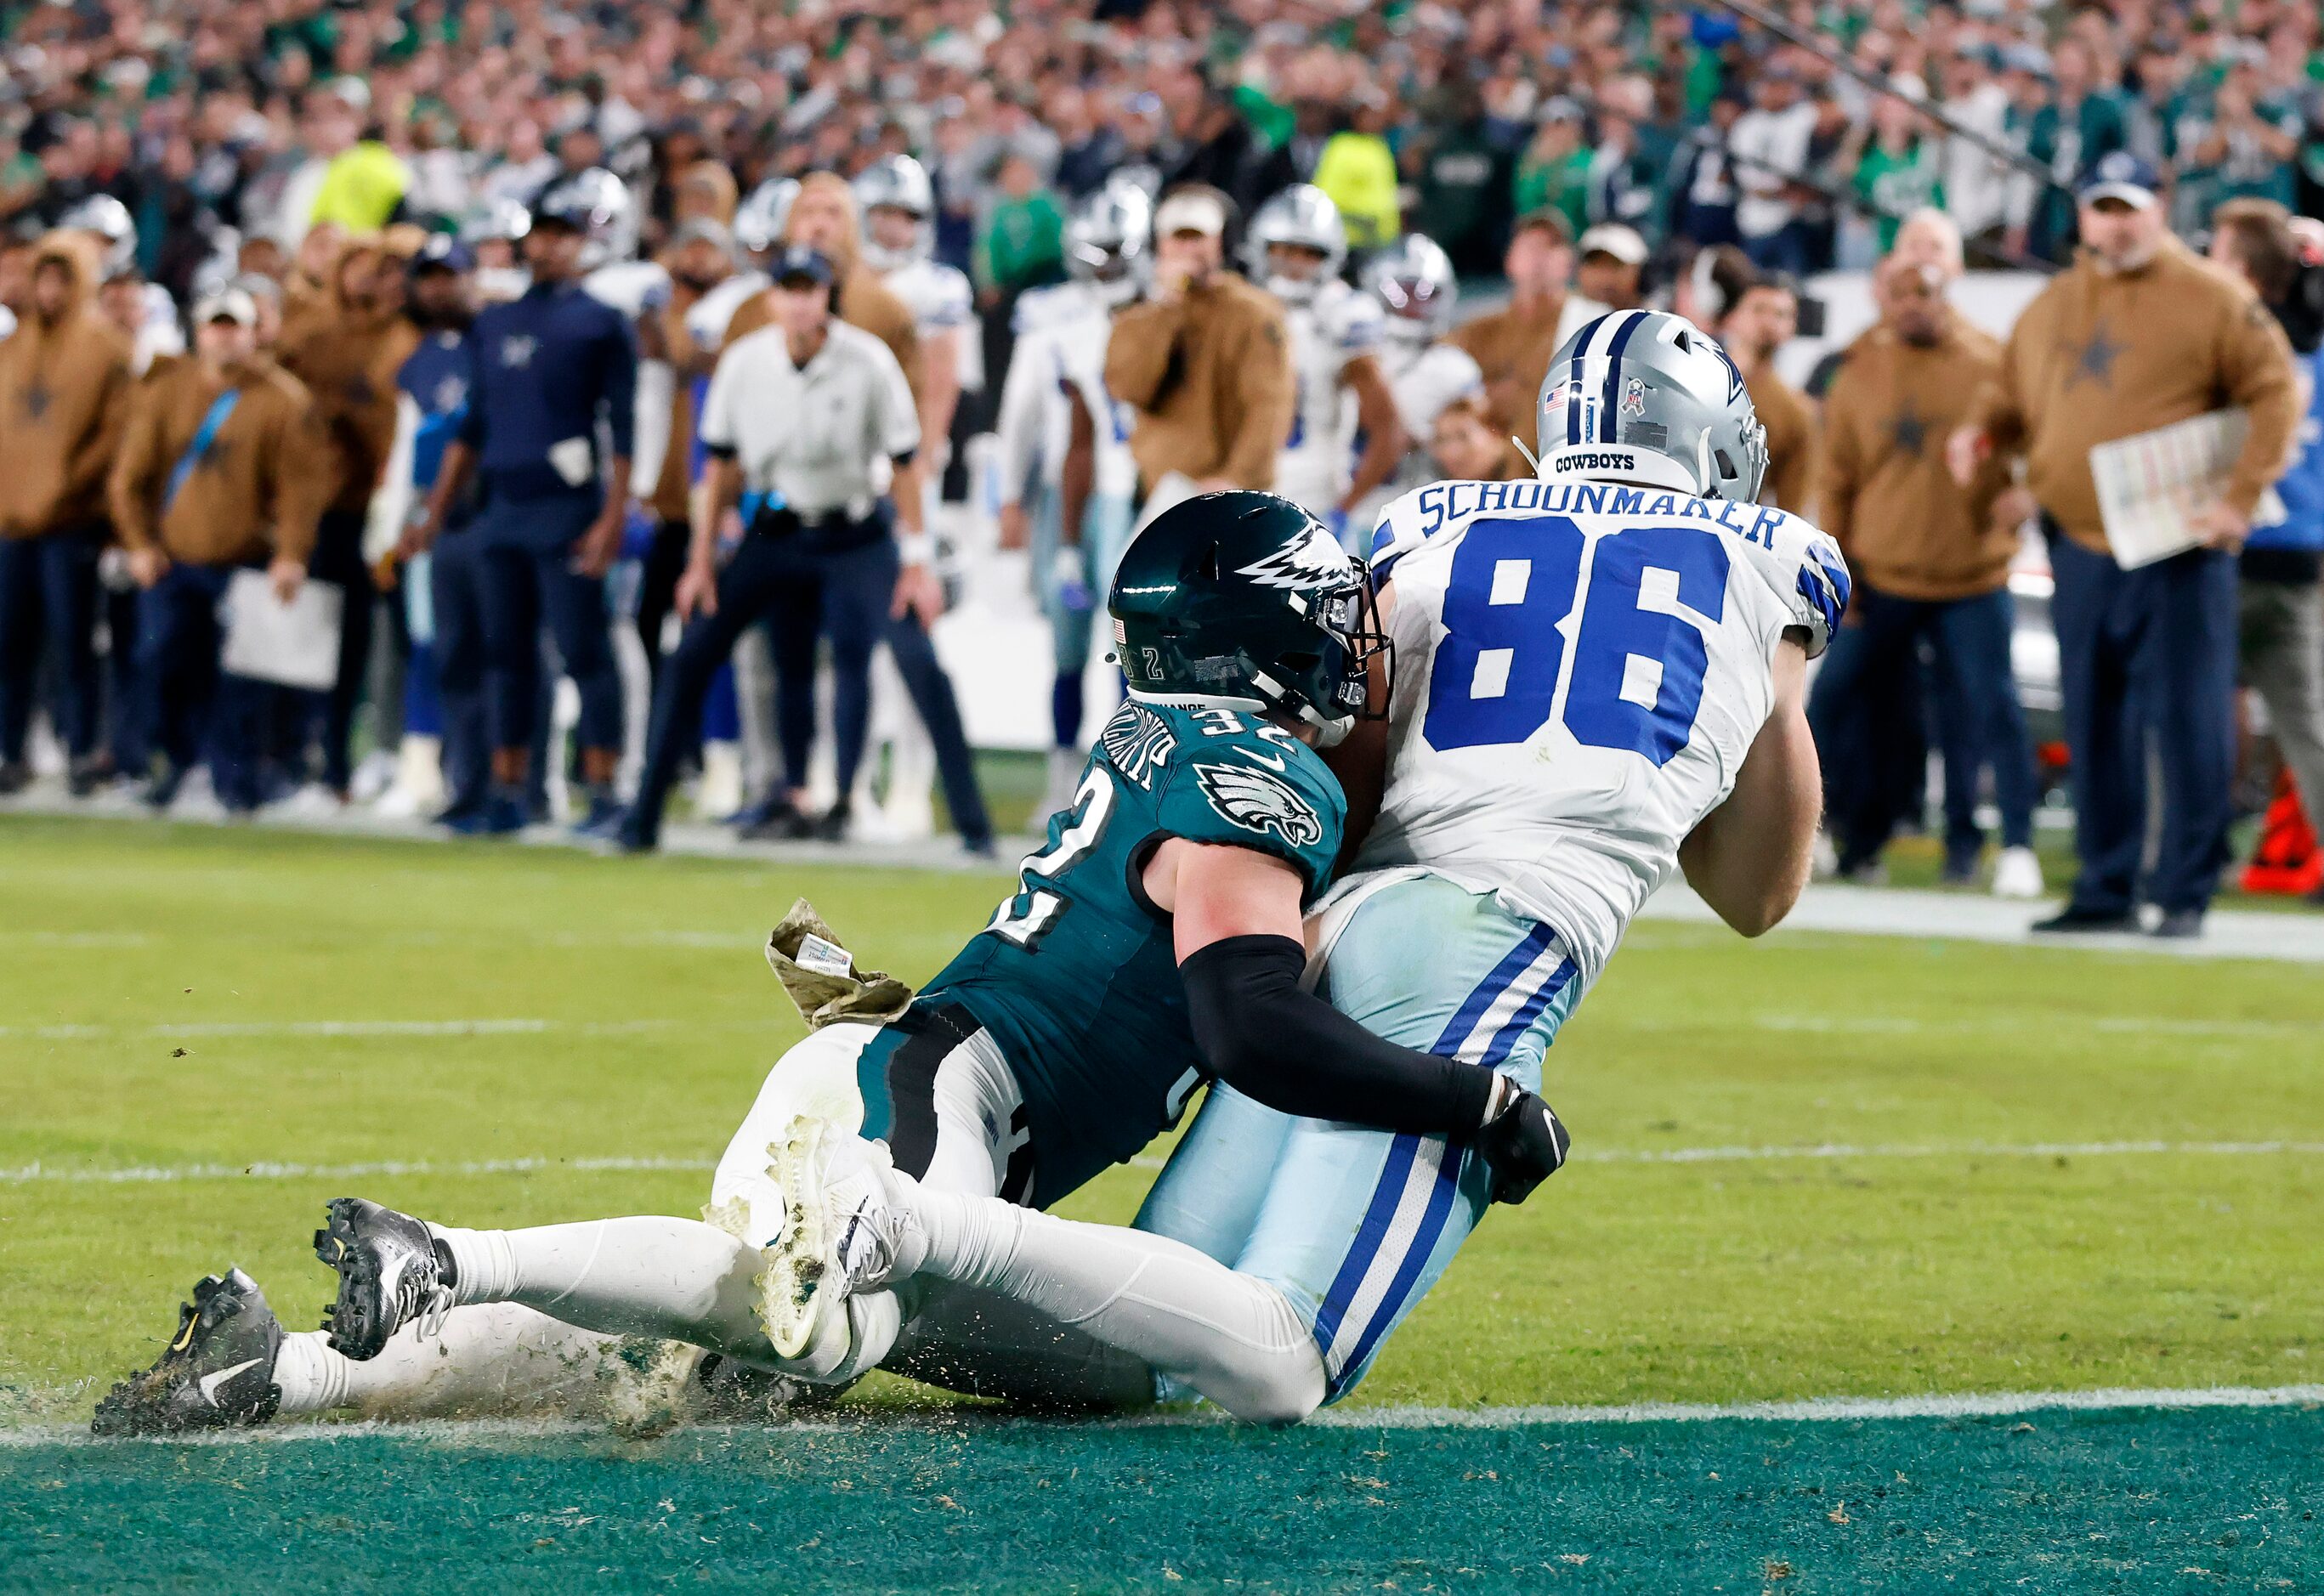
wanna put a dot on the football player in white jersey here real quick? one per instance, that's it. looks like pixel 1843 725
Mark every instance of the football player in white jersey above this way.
pixel 1066 475
pixel 900 207
pixel 1598 685
pixel 1294 250
pixel 1412 281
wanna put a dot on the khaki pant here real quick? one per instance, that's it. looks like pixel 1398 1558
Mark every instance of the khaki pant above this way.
pixel 2282 660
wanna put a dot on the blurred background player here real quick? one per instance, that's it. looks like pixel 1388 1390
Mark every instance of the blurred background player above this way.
pixel 1413 282
pixel 1295 249
pixel 1064 446
pixel 898 206
pixel 546 373
pixel 444 767
pixel 701 261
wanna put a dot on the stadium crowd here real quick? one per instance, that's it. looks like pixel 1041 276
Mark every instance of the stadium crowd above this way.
pixel 360 218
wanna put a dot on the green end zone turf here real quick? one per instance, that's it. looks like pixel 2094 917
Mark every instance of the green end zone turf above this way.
pixel 2121 1500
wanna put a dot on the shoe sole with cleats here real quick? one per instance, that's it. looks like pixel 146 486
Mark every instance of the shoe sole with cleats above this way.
pixel 800 1259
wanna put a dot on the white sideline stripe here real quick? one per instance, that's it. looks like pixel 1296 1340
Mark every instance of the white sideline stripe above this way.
pixel 342 1028
pixel 141 1173
pixel 1818 1409
pixel 1811 1410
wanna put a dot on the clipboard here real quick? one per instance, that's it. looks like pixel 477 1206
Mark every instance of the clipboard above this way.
pixel 294 645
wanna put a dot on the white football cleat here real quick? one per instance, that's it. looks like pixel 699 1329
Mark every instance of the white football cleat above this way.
pixel 2018 873
pixel 843 1231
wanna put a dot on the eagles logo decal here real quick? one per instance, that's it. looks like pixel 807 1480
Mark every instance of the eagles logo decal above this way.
pixel 1258 801
pixel 1314 561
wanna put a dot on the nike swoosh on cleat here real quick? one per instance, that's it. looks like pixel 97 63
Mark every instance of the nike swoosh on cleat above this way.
pixel 210 1383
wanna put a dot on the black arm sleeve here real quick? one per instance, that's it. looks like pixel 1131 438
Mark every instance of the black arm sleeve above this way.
pixel 1294 1052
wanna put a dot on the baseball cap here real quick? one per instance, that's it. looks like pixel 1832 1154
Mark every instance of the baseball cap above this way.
pixel 2119 175
pixel 1189 210
pixel 228 304
pixel 440 252
pixel 803 263
pixel 1612 238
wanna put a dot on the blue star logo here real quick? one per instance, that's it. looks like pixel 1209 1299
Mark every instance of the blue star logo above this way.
pixel 1907 431
pixel 2096 358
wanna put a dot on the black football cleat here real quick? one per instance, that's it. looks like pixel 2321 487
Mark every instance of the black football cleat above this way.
pixel 217 1372
pixel 390 1275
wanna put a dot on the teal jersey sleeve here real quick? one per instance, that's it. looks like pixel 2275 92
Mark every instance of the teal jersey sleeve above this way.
pixel 1238 781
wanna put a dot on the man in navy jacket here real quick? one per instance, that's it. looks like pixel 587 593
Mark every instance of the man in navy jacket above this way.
pixel 552 387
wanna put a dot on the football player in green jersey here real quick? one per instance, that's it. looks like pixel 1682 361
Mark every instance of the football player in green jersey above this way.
pixel 1154 941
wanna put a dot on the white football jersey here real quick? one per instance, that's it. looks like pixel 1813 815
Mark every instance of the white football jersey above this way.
pixel 1319 457
pixel 940 300
pixel 1061 339
pixel 1580 670
pixel 1424 378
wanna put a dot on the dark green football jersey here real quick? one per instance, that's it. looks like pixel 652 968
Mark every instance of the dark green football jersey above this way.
pixel 1076 978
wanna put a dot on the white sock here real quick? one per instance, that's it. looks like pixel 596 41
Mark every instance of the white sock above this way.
pixel 1232 1337
pixel 500 1358
pixel 676 1279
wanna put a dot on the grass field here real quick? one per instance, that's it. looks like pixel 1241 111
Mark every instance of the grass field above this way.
pixel 1810 1167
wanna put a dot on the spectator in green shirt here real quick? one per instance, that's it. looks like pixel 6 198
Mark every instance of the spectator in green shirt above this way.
pixel 1553 172
pixel 1023 243
pixel 1898 170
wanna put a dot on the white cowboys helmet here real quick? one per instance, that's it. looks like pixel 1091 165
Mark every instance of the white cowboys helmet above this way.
pixel 501 218
pixel 897 183
pixel 1414 283
pixel 599 204
pixel 108 218
pixel 1643 396
pixel 1302 217
pixel 760 219
pixel 1107 240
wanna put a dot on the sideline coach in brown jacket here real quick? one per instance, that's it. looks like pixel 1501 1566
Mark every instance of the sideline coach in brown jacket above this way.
pixel 64 389
pixel 1930 560
pixel 2138 334
pixel 226 464
pixel 1203 360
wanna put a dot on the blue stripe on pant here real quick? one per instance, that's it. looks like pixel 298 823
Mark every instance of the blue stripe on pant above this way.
pixel 1353 1224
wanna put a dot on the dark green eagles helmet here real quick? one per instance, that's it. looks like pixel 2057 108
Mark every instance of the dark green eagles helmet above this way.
pixel 1244 601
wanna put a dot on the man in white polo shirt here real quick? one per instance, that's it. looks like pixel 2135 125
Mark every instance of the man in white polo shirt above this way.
pixel 799 419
